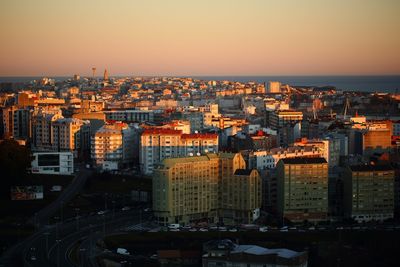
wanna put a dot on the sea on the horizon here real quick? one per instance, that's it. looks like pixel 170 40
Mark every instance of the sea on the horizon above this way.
pixel 388 84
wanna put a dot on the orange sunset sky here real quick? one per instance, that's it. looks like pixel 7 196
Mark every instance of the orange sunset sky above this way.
pixel 207 37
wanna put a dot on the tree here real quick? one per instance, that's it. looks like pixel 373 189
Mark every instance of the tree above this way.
pixel 14 161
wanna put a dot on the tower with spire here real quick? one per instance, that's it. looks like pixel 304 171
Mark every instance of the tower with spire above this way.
pixel 105 76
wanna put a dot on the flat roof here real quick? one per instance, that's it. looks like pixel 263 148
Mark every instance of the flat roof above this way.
pixel 304 160
pixel 371 167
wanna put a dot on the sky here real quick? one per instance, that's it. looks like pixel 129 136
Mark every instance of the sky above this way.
pixel 199 37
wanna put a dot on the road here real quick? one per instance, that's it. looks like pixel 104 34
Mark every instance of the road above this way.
pixel 41 218
pixel 56 245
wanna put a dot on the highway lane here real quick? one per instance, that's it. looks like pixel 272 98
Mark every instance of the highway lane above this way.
pixel 62 238
pixel 41 218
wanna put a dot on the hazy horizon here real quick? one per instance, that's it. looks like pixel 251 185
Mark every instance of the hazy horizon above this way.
pixel 200 38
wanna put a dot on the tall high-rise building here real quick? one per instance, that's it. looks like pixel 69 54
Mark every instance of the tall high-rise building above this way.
pixel 207 188
pixel 369 192
pixel 105 76
pixel 302 189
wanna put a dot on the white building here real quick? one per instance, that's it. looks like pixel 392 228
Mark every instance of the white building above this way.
pixel 61 163
pixel 113 143
pixel 267 159
pixel 157 144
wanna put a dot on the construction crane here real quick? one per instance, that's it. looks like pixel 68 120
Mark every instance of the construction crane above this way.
pixel 346 108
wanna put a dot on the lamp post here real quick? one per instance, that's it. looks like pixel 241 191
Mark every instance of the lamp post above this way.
pixel 77 218
pixel 47 243
pixel 113 202
pixel 82 253
pixel 58 241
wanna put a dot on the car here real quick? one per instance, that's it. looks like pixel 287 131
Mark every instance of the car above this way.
pixel 126 208
pixel 123 251
pixel 222 229
pixel 312 228
pixel 174 230
pixel 174 226
pixel 33 258
pixel 263 229
pixel 233 230
pixel 203 230
pixel 102 212
pixel 293 228
pixel 192 230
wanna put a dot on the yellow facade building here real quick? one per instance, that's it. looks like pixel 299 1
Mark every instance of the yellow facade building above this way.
pixel 208 188
pixel 302 189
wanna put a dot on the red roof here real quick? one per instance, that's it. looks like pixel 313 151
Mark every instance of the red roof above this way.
pixel 162 131
pixel 199 135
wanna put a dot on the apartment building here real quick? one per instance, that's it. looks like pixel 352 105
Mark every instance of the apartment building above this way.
pixel 280 118
pixel 70 134
pixel 158 144
pixel 369 192
pixel 128 115
pixel 207 188
pixel 112 146
pixel 268 159
pixel 17 122
pixel 42 128
pixel 302 189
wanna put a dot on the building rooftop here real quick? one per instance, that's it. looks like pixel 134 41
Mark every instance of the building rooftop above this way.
pixel 162 131
pixel 303 160
pixel 257 250
pixel 199 135
pixel 243 172
pixel 371 167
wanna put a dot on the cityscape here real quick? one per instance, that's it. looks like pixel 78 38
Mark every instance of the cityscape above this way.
pixel 184 154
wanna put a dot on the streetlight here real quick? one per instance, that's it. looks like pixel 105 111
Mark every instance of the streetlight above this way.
pixel 77 218
pixel 47 244
pixel 58 241
pixel 113 202
pixel 82 252
pixel 104 224
pixel 62 210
